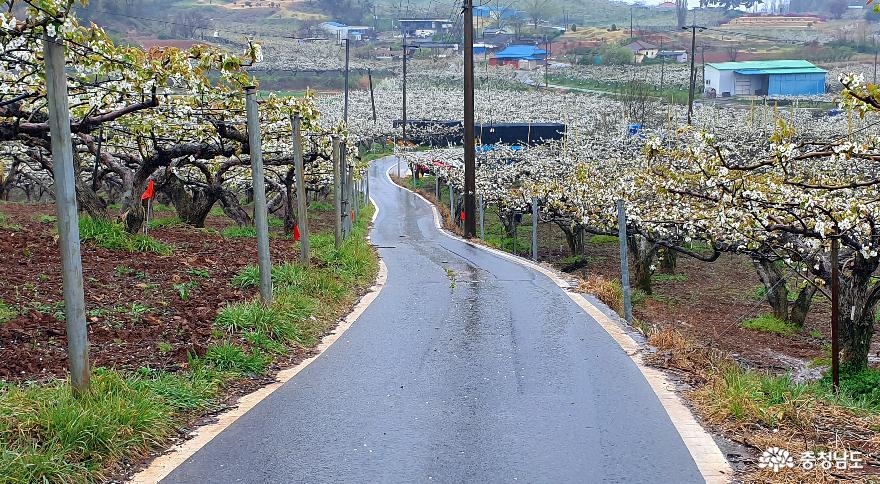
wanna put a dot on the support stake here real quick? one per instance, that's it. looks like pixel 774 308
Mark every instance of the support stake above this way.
pixel 261 215
pixel 68 217
pixel 624 262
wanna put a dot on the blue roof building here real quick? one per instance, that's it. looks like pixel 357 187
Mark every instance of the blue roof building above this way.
pixel 516 53
pixel 764 78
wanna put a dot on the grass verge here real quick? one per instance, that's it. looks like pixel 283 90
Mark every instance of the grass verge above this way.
pixel 760 409
pixel 48 435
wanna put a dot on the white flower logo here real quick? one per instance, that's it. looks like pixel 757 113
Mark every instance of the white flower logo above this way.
pixel 776 459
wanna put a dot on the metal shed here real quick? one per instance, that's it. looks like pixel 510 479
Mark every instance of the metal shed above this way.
pixel 764 78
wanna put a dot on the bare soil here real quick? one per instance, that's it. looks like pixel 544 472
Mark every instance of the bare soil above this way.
pixel 136 315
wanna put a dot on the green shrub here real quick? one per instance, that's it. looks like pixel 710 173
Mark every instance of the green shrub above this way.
pixel 113 236
pixel 768 324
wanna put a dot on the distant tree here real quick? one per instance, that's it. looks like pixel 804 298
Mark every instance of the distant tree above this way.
pixel 681 11
pixel 538 10
pixel 615 55
pixel 732 52
pixel 837 8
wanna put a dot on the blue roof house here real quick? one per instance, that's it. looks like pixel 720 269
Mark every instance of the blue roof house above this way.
pixel 513 54
pixel 764 78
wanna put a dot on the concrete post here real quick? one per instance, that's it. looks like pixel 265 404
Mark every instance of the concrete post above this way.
pixel 624 262
pixel 68 217
pixel 482 219
pixel 337 191
pixel 302 216
pixel 535 217
pixel 261 215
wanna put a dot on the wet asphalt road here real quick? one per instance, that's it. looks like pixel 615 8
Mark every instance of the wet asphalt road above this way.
pixel 501 378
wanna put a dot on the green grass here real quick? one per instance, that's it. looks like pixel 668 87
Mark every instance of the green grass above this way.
pixel 602 239
pixel 196 272
pixel 113 236
pixel 7 225
pixel 239 232
pixel 50 436
pixel 275 221
pixel 760 293
pixel 6 312
pixel 678 95
pixel 165 223
pixel 757 396
pixel 768 324
pixel 320 207
pixel 286 320
pixel 46 219
pixel 661 278
pixel 230 357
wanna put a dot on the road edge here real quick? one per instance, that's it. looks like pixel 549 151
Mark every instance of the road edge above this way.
pixel 172 458
pixel 710 461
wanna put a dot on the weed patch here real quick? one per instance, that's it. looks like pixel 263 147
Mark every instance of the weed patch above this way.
pixel 113 236
pixel 768 324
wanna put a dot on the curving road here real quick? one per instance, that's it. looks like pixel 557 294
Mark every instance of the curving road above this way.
pixel 501 378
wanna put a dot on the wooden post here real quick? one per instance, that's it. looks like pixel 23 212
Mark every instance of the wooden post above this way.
pixel 68 217
pixel 302 215
pixel 624 262
pixel 337 191
pixel 261 214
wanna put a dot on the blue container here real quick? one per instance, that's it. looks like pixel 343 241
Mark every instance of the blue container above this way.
pixel 633 129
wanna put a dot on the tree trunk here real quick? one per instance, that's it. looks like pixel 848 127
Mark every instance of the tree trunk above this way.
pixel 856 316
pixel 668 260
pixel 192 209
pixel 801 306
pixel 773 279
pixel 642 253
pixel 233 209
pixel 574 236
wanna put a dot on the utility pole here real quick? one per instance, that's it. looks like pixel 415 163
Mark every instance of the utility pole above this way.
pixel 261 214
pixel 345 109
pixel 404 97
pixel 631 35
pixel 662 66
pixel 470 162
pixel 546 60
pixel 372 95
pixel 68 217
pixel 693 78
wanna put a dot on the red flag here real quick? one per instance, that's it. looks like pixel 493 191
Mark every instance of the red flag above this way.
pixel 148 193
pixel 462 215
pixel 352 216
pixel 296 233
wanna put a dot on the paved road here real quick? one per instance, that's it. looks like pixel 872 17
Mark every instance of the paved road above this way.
pixel 501 378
